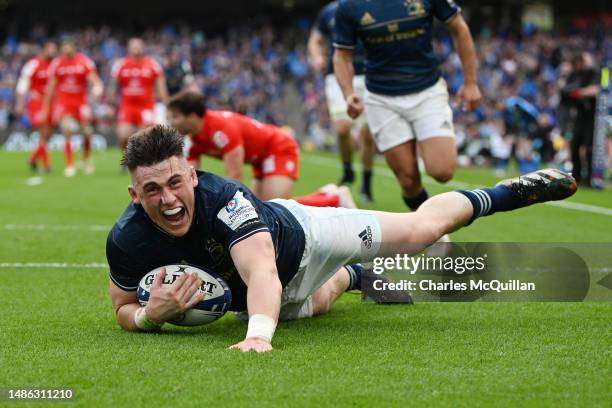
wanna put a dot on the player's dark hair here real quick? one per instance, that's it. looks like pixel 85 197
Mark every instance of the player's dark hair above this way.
pixel 188 102
pixel 152 145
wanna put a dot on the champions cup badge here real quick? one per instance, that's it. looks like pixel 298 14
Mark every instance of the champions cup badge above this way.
pixel 232 205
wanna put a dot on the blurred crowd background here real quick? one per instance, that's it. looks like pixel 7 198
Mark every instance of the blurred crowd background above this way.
pixel 261 69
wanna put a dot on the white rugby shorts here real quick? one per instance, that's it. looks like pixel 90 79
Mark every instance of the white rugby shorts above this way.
pixel 394 120
pixel 335 99
pixel 334 237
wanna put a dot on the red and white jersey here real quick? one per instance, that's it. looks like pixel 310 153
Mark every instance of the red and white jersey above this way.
pixel 224 131
pixel 36 73
pixel 136 79
pixel 71 74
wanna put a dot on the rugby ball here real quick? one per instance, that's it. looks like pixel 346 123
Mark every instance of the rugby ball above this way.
pixel 217 298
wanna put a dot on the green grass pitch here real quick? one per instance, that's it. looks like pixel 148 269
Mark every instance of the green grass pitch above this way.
pixel 57 326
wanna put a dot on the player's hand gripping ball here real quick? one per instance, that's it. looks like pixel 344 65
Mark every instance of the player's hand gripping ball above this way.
pixel 217 295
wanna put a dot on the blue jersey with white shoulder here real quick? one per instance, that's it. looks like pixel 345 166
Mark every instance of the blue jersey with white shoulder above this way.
pixel 397 36
pixel 325 25
pixel 226 212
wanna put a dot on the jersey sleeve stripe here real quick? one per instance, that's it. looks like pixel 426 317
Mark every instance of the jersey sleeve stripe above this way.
pixel 126 288
pixel 248 234
pixel 452 17
pixel 344 46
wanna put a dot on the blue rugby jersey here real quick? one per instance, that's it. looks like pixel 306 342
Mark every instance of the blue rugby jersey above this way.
pixel 226 212
pixel 397 36
pixel 325 25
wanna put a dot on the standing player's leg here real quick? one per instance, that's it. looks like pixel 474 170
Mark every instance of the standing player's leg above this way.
pixel 368 151
pixel 342 125
pixel 345 148
pixel 395 138
pixel 85 119
pixel 44 132
pixel 440 157
pixel 43 127
pixel 403 162
pixel 67 125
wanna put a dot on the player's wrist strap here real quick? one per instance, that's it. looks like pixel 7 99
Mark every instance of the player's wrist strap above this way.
pixel 262 326
pixel 143 322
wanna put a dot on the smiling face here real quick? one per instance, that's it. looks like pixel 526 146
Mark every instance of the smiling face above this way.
pixel 166 192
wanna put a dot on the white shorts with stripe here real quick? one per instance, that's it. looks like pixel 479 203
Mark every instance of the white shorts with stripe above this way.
pixel 394 120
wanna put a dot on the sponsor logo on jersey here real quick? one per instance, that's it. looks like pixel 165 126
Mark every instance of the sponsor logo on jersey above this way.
pixel 367 19
pixel 366 237
pixel 237 212
pixel 220 139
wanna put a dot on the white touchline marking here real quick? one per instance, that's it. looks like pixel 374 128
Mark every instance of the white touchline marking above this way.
pixel 386 172
pixel 43 227
pixel 56 265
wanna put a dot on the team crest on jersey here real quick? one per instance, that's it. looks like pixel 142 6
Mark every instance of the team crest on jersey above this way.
pixel 220 139
pixel 415 8
pixel 237 211
pixel 367 19
pixel 215 250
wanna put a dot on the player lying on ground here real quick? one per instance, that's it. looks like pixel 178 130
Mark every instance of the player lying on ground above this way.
pixel 237 139
pixel 281 260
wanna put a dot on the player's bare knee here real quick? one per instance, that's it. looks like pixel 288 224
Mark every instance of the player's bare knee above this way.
pixel 321 301
pixel 442 174
pixel 427 230
pixel 343 128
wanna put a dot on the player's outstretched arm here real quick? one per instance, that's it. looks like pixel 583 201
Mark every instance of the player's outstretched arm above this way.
pixel 255 260
pixel 469 96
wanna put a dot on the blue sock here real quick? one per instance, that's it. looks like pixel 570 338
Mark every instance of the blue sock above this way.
pixel 355 272
pixel 487 201
pixel 415 202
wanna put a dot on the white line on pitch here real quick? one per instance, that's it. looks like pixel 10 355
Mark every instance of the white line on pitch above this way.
pixel 43 227
pixel 569 205
pixel 56 265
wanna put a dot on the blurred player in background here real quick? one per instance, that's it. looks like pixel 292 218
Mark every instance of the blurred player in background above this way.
pixel 137 76
pixel 237 139
pixel 31 87
pixel 178 72
pixel 406 98
pixel 321 51
pixel 581 89
pixel 69 77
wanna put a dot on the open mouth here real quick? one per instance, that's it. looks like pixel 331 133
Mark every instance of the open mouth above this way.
pixel 174 215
